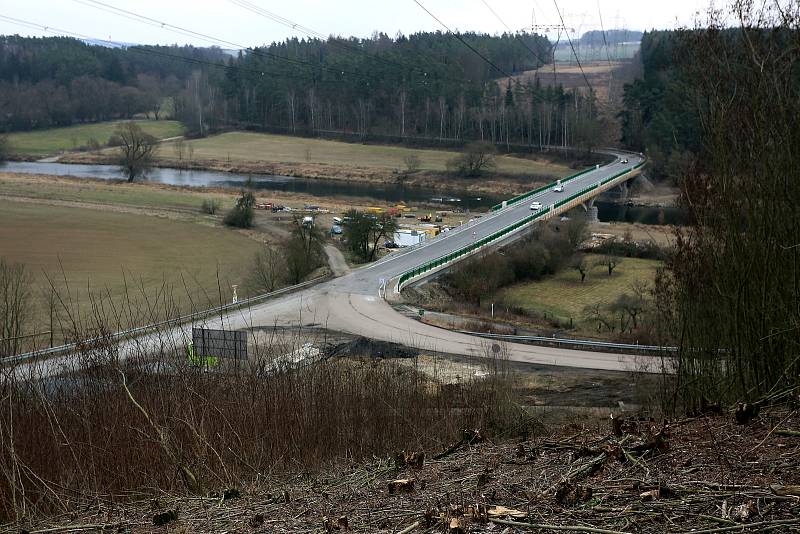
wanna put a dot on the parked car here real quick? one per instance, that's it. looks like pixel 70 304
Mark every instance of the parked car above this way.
pixel 536 206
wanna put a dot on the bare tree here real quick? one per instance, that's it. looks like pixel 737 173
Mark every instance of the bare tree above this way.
pixel 577 230
pixel 580 265
pixel 731 294
pixel 474 160
pixel 5 148
pixel 179 145
pixel 15 306
pixel 412 163
pixel 136 150
pixel 269 271
pixel 610 262
pixel 303 251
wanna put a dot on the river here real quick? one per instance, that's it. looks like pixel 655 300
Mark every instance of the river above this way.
pixel 387 193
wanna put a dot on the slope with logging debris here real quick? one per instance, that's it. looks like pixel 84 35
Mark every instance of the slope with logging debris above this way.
pixel 715 472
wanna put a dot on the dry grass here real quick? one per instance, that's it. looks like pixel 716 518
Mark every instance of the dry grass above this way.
pixel 239 147
pixel 108 195
pixel 79 438
pixel 701 474
pixel 564 296
pixel 54 140
pixel 100 251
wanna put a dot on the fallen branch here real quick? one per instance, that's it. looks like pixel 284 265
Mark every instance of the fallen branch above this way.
pixel 744 526
pixel 566 528
pixel 584 470
pixel 72 528
pixel 410 527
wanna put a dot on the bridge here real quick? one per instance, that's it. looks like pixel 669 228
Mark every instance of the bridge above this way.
pixel 354 304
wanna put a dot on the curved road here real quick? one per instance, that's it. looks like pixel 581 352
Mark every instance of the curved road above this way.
pixel 350 303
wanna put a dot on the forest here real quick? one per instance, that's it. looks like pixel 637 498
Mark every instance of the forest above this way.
pixel 422 86
pixel 715 112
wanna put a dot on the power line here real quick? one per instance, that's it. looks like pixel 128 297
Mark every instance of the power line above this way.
pixel 608 52
pixel 572 47
pixel 208 38
pixel 151 51
pixel 516 34
pixel 457 36
pixel 258 10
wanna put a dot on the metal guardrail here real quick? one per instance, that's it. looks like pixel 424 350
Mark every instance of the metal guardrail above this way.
pixel 519 198
pixel 168 322
pixel 442 260
pixel 605 345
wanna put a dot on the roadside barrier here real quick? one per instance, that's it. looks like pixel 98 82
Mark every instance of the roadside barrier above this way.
pixel 583 343
pixel 169 323
pixel 447 258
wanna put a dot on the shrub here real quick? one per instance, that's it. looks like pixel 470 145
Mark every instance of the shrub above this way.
pixel 85 436
pixel 241 216
pixel 474 160
pixel 5 148
pixel 648 250
pixel 412 163
pixel 93 144
pixel 210 206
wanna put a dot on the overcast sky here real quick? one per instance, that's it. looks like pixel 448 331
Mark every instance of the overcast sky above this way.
pixel 225 20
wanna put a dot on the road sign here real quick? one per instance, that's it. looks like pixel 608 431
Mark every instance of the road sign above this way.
pixel 219 343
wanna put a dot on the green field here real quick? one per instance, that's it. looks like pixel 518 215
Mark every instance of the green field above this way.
pixel 95 248
pixel 564 296
pixel 54 140
pixel 255 147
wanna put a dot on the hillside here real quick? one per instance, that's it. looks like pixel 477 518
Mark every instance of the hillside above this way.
pixel 703 474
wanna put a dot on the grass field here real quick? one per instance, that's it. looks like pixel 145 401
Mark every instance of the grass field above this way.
pixel 54 140
pixel 135 195
pixel 96 247
pixel 250 147
pixel 565 297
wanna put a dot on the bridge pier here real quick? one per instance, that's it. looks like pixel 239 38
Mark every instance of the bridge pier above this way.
pixel 591 210
pixel 623 189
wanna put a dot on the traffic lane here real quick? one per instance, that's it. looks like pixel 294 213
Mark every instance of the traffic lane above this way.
pixel 366 280
pixel 374 318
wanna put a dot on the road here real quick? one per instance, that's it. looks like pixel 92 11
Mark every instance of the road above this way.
pixel 350 303
pixel 365 281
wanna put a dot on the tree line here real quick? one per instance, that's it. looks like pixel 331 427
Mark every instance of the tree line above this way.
pixel 58 81
pixel 422 86
pixel 716 110
pixel 657 115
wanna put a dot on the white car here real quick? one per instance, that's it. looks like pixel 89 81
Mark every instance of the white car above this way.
pixel 536 206
pixel 624 161
pixel 559 188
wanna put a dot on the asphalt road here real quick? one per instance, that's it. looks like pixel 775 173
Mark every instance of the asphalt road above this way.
pixel 350 303
pixel 365 281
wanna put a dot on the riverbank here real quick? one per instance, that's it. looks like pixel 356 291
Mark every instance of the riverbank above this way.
pixel 269 154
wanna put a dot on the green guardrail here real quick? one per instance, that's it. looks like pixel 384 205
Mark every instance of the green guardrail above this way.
pixel 442 260
pixel 523 196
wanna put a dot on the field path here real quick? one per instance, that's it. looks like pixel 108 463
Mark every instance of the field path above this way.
pixel 336 261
